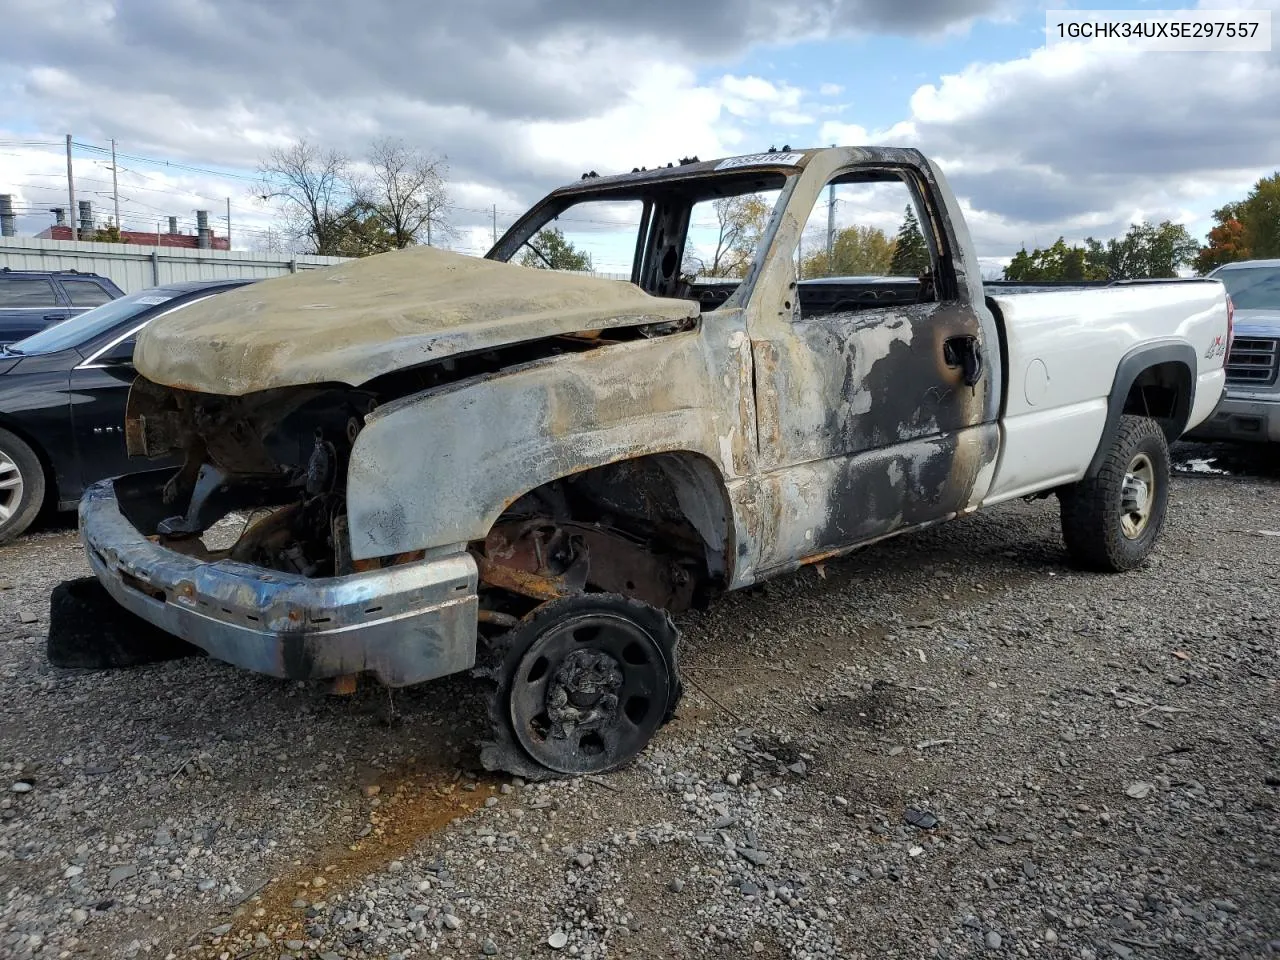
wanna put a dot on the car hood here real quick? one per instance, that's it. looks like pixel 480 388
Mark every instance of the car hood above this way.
pixel 1257 323
pixel 355 321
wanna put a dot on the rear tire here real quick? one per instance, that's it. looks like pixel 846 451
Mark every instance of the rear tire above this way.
pixel 22 486
pixel 1111 521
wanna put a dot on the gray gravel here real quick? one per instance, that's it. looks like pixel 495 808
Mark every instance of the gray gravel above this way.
pixel 949 745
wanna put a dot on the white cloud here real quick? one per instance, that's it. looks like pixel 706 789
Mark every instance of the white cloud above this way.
pixel 831 89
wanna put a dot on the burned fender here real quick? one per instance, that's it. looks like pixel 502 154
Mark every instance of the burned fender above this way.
pixel 438 468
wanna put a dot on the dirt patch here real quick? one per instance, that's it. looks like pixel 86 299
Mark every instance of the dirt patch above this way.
pixel 405 808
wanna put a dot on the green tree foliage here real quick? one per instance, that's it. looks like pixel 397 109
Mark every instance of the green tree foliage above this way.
pixel 855 251
pixel 1260 215
pixel 361 231
pixel 108 234
pixel 910 252
pixel 1147 251
pixel 551 251
pixel 1056 262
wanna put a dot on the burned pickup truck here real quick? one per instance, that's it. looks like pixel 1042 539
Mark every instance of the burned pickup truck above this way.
pixel 451 462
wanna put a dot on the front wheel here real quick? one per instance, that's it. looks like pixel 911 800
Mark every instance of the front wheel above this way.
pixel 1111 521
pixel 580 686
pixel 21 486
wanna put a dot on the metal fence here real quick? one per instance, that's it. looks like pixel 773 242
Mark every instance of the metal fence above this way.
pixel 134 267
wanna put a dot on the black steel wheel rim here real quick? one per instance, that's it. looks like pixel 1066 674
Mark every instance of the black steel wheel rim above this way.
pixel 589 693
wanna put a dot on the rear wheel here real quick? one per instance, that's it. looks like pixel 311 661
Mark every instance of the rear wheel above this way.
pixel 1111 521
pixel 21 486
pixel 581 685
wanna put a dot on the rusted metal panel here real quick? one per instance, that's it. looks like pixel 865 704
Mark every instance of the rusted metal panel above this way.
pixel 841 384
pixel 823 506
pixel 478 446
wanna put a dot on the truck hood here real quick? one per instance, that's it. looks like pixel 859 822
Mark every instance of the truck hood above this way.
pixel 355 321
pixel 1257 323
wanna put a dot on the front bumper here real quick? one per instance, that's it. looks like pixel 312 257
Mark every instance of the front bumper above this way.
pixel 1237 418
pixel 405 624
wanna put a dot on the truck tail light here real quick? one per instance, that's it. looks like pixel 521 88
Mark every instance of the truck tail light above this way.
pixel 1231 319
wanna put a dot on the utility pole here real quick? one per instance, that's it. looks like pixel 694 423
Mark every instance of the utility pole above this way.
pixel 228 223
pixel 115 184
pixel 71 192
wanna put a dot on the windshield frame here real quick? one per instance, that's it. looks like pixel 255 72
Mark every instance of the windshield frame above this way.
pixel 690 185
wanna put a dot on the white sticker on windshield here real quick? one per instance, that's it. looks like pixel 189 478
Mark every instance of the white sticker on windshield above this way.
pixel 760 160
pixel 152 301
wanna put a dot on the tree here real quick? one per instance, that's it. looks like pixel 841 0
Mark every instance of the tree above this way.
pixel 855 251
pixel 1056 262
pixel 740 225
pixel 1228 241
pixel 406 190
pixel 314 191
pixel 910 252
pixel 108 234
pixel 363 232
pixel 551 251
pixel 1145 252
pixel 1260 215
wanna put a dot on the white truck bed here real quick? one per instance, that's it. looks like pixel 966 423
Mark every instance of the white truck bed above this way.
pixel 1063 351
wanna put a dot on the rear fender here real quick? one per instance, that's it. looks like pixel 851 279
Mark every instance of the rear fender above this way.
pixel 1132 365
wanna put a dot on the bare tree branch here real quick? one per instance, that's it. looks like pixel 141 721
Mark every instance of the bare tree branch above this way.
pixel 407 188
pixel 313 189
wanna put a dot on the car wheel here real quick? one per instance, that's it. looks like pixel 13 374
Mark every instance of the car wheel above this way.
pixel 21 486
pixel 1111 521
pixel 581 686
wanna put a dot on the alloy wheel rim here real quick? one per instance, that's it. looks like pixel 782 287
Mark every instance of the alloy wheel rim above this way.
pixel 1137 495
pixel 11 487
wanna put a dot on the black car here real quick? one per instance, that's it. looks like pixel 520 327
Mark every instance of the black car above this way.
pixel 33 300
pixel 62 401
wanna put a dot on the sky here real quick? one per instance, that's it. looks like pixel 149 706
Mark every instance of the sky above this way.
pixel 522 95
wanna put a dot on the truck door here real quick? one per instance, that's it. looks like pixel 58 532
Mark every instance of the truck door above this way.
pixel 875 391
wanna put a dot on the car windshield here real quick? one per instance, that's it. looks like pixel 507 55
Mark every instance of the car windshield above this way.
pixel 92 323
pixel 1253 288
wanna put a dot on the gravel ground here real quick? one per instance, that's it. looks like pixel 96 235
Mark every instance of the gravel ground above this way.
pixel 948 745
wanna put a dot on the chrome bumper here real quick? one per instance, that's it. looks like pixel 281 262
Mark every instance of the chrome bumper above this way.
pixel 405 624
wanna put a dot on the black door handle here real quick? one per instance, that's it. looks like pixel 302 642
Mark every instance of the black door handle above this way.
pixel 54 316
pixel 965 352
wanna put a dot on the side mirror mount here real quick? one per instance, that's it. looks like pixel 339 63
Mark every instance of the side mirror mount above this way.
pixel 121 355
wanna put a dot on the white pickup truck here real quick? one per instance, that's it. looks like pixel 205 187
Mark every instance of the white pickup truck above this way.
pixel 462 462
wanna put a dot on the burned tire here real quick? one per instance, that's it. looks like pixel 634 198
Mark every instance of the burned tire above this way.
pixel 22 486
pixel 1111 521
pixel 88 630
pixel 581 685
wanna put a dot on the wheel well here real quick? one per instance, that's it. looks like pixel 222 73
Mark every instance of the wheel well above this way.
pixel 655 528
pixel 1163 393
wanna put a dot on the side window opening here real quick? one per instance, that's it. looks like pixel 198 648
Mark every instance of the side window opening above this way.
pixel 26 292
pixel 85 293
pixel 864 246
